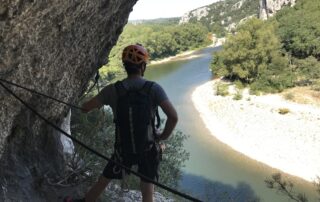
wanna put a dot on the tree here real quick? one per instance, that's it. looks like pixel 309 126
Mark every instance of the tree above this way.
pixel 307 70
pixel 253 54
pixel 218 30
pixel 299 29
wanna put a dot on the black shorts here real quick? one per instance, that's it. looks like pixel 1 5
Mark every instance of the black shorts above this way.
pixel 148 165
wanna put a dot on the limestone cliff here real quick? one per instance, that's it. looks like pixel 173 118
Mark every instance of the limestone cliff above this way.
pixel 269 7
pixel 225 13
pixel 53 47
pixel 197 13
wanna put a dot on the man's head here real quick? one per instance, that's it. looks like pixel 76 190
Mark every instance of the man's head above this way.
pixel 135 58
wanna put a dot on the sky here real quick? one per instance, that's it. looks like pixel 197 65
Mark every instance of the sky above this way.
pixel 150 9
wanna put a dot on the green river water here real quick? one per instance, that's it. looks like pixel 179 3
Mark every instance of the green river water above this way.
pixel 214 171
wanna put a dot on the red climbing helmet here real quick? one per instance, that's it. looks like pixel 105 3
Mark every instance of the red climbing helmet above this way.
pixel 135 54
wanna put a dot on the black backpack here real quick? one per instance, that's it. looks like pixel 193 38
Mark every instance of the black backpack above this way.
pixel 134 116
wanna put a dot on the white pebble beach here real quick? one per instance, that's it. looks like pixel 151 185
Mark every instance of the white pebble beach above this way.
pixel 253 126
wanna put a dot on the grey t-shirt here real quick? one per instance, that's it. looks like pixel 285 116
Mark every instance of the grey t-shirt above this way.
pixel 108 95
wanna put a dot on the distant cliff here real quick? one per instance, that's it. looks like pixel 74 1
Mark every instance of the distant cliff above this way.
pixel 226 14
pixel 54 47
pixel 269 7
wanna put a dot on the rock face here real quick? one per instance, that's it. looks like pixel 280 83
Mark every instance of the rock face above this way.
pixel 269 7
pixel 53 47
pixel 116 194
pixel 226 13
pixel 197 13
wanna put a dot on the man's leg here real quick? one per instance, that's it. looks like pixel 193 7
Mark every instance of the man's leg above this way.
pixel 147 190
pixel 97 189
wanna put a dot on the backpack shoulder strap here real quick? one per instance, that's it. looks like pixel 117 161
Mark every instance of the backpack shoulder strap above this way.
pixel 147 87
pixel 120 89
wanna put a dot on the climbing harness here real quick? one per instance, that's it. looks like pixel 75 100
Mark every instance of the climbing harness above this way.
pixel 81 143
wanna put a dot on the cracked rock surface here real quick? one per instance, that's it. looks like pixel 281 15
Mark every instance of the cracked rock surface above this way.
pixel 54 47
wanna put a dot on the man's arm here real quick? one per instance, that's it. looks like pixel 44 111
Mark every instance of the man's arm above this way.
pixel 91 104
pixel 172 120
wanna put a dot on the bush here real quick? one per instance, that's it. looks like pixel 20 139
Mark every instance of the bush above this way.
pixel 222 89
pixel 307 71
pixel 256 88
pixel 299 29
pixel 283 111
pixel 238 95
pixel 289 96
pixel 239 84
pixel 316 86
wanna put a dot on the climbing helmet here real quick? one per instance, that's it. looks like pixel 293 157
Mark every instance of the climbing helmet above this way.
pixel 135 54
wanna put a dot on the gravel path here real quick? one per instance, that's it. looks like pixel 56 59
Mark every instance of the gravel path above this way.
pixel 254 127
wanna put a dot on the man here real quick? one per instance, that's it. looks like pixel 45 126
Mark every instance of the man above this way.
pixel 134 59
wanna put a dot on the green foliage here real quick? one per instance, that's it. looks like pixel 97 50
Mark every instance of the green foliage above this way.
pixel 299 29
pixel 255 48
pixel 239 84
pixel 276 78
pixel 238 95
pixel 222 89
pixel 253 55
pixel 96 130
pixel 174 157
pixel 218 30
pixel 161 40
pixel 111 71
pixel 316 86
pixel 307 70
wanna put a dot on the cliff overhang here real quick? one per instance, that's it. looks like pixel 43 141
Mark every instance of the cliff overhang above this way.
pixel 54 47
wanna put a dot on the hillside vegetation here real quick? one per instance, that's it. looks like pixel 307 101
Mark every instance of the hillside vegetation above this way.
pixel 161 40
pixel 276 54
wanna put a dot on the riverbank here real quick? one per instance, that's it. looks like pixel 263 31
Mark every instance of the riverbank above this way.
pixel 182 56
pixel 187 55
pixel 254 127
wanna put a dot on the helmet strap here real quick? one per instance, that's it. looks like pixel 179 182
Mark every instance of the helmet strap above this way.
pixel 143 69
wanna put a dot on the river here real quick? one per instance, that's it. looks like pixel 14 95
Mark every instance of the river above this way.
pixel 213 169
